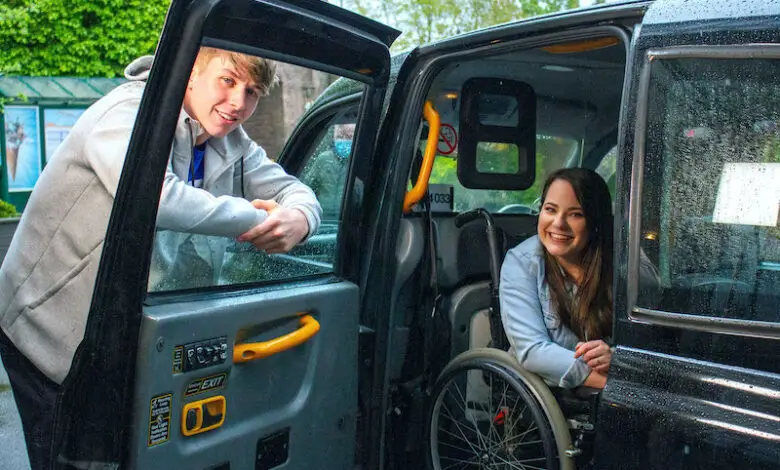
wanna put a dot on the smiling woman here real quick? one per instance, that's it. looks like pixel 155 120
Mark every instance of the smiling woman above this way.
pixel 556 289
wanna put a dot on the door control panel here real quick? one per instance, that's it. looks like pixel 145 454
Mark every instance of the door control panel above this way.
pixel 200 354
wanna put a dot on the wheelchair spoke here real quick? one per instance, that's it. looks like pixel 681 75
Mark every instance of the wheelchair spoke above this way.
pixel 519 464
pixel 480 437
pixel 516 420
pixel 460 422
pixel 450 433
pixel 461 463
pixel 492 412
pixel 523 434
pixel 463 435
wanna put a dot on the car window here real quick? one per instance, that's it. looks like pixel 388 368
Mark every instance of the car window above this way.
pixel 186 259
pixel 607 169
pixel 325 169
pixel 552 153
pixel 710 197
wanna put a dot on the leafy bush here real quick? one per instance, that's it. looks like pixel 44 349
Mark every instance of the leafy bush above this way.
pixel 7 210
pixel 94 38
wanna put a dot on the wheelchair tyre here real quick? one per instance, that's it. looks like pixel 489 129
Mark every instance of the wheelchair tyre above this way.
pixel 504 428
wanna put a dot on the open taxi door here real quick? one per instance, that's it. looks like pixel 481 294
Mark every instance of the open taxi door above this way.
pixel 238 376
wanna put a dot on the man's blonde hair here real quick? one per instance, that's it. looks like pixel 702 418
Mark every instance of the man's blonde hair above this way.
pixel 261 71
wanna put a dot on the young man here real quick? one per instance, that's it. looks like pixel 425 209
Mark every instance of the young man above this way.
pixel 215 170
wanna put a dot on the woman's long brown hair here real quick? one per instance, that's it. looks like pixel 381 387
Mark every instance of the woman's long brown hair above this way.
pixel 589 313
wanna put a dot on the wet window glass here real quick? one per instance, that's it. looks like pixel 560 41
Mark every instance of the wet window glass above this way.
pixel 325 170
pixel 234 188
pixel 711 198
pixel 607 169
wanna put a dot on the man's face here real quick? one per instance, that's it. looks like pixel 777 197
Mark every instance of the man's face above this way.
pixel 219 97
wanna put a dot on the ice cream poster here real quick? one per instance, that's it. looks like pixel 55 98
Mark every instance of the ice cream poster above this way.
pixel 22 147
pixel 57 124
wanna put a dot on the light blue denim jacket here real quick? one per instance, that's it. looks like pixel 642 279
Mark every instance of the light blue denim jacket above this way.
pixel 541 343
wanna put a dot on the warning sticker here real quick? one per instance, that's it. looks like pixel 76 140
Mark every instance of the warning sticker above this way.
pixel 448 139
pixel 205 384
pixel 159 419
pixel 178 359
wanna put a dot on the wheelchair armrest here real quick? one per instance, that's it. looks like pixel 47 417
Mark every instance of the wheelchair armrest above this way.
pixel 586 393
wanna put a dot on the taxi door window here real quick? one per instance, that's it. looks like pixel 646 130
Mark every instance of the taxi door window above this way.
pixel 194 257
pixel 710 194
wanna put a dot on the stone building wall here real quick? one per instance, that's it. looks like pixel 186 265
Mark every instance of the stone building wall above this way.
pixel 279 112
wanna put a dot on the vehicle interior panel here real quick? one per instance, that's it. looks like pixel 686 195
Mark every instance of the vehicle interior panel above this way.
pixel 578 90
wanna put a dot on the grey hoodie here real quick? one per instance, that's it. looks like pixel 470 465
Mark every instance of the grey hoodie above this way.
pixel 48 275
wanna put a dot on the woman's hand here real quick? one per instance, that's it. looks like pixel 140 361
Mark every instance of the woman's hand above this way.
pixel 597 354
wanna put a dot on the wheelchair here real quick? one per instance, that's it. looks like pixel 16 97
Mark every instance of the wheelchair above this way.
pixel 488 412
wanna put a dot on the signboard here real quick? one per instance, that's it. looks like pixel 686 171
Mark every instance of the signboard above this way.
pixel 57 124
pixel 448 139
pixel 442 198
pixel 748 194
pixel 22 147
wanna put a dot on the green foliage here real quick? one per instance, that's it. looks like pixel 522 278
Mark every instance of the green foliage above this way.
pixel 4 100
pixel 84 38
pixel 424 21
pixel 7 210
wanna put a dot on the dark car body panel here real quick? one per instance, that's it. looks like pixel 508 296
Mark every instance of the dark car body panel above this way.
pixel 684 394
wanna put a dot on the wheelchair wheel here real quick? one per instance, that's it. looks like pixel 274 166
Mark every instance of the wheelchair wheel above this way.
pixel 484 415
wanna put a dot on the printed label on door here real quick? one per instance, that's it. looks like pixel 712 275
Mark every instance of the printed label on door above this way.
pixel 159 419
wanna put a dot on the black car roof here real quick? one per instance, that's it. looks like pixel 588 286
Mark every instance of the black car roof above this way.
pixel 345 87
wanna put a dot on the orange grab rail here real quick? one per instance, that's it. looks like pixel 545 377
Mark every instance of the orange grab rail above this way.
pixel 416 194
pixel 251 351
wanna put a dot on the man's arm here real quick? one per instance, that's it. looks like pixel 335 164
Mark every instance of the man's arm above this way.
pixel 266 180
pixel 294 212
pixel 182 207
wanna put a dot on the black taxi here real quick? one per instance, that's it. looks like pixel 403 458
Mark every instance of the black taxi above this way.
pixel 371 346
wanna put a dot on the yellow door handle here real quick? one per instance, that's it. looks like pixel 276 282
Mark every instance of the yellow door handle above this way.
pixel 251 351
pixel 203 415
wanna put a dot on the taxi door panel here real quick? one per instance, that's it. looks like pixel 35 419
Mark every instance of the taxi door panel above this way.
pixel 296 406
pixel 123 401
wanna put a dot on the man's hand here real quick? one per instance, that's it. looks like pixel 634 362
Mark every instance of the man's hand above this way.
pixel 597 354
pixel 280 232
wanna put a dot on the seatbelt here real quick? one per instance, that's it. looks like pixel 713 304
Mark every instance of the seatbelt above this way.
pixel 420 388
pixel 433 296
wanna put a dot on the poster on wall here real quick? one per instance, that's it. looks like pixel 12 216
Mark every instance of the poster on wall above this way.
pixel 22 147
pixel 57 124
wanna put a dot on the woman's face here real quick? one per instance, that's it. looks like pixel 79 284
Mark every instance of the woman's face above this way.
pixel 562 228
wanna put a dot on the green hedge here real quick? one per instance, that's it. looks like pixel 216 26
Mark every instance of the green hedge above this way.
pixel 7 210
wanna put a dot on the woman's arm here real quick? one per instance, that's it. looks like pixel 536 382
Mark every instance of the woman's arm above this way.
pixel 521 312
pixel 595 380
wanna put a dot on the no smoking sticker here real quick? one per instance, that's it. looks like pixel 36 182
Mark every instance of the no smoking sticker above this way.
pixel 448 139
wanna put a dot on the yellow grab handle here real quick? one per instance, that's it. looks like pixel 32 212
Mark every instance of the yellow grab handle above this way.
pixel 416 194
pixel 251 351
